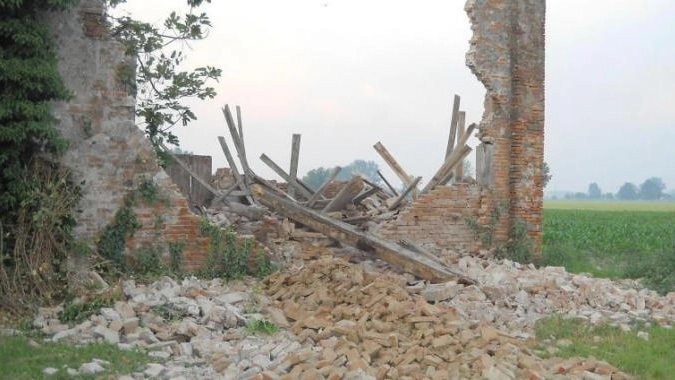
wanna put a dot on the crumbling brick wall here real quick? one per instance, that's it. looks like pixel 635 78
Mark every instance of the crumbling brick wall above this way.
pixel 507 55
pixel 110 157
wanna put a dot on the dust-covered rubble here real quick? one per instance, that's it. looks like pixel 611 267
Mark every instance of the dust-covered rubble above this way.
pixel 342 320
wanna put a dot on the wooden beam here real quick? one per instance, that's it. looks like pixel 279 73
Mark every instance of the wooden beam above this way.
pixel 187 169
pixel 241 129
pixel 462 141
pixel 393 191
pixel 405 193
pixel 453 127
pixel 293 172
pixel 380 248
pixel 389 159
pixel 236 140
pixel 319 193
pixel 346 195
pixel 446 169
pixel 461 130
pixel 239 179
pixel 366 194
pixel 297 184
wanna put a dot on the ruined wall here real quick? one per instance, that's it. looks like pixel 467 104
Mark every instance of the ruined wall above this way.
pixel 507 55
pixel 438 219
pixel 109 155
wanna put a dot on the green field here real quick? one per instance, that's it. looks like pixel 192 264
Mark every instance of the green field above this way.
pixel 609 205
pixel 613 239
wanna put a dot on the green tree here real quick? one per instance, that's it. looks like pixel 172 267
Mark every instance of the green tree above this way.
pixel 594 191
pixel 628 192
pixel 161 86
pixel 316 177
pixel 652 189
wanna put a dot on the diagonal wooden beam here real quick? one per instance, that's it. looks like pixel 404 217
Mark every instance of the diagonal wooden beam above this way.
pixel 453 127
pixel 405 193
pixel 319 193
pixel 293 172
pixel 297 184
pixel 389 159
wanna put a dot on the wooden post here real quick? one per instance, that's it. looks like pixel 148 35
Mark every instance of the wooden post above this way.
pixel 241 129
pixel 393 191
pixel 389 159
pixel 319 193
pixel 297 184
pixel 386 250
pixel 446 169
pixel 293 172
pixel 346 195
pixel 236 140
pixel 401 197
pixel 241 181
pixel 453 127
pixel 461 130
pixel 462 141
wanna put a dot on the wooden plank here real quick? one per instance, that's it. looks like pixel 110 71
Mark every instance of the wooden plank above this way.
pixel 293 172
pixel 393 191
pixel 461 130
pixel 241 129
pixel 453 127
pixel 446 169
pixel 380 248
pixel 462 141
pixel 397 201
pixel 389 159
pixel 236 140
pixel 239 179
pixel 206 185
pixel 346 195
pixel 319 193
pixel 297 184
pixel 366 194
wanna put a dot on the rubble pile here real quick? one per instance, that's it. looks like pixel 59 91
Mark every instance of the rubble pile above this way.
pixel 364 324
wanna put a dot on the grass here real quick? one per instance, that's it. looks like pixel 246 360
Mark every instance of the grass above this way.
pixel 652 359
pixel 22 361
pixel 612 243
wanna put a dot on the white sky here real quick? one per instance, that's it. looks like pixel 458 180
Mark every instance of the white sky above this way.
pixel 346 74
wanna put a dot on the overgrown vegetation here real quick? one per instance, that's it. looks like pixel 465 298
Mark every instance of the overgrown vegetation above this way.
pixel 261 326
pixel 36 196
pixel 77 310
pixel 23 361
pixel 616 244
pixel 231 259
pixel 646 359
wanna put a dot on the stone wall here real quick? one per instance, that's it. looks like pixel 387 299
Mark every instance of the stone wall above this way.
pixel 109 155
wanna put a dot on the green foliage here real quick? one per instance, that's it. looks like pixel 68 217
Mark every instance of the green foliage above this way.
pixel 149 191
pixel 113 239
pixel 652 189
pixel 230 259
pixel 261 326
pixel 653 359
pixel 519 247
pixel 176 252
pixel 628 192
pixel 22 361
pixel 546 174
pixel 79 310
pixel 161 86
pixel 368 169
pixel 148 263
pixel 624 244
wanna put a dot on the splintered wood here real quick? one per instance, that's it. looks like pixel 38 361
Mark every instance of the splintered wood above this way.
pixel 369 323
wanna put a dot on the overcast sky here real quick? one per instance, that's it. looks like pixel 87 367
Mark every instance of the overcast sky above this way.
pixel 346 74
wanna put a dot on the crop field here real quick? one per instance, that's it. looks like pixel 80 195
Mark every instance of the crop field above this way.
pixel 613 239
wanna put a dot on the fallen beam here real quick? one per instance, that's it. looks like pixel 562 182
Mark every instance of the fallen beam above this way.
pixel 386 250
pixel 345 195
pixel 395 167
pixel 400 198
pixel 297 184
pixel 319 193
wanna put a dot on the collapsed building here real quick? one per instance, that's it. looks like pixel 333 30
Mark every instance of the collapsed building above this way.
pixel 111 157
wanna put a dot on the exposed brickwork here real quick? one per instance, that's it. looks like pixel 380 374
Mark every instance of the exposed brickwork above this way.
pixel 109 155
pixel 437 220
pixel 507 56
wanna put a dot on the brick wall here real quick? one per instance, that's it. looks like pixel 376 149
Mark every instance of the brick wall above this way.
pixel 109 155
pixel 507 55
pixel 437 220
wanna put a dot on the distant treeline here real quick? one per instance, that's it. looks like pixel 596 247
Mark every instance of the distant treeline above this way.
pixel 652 189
